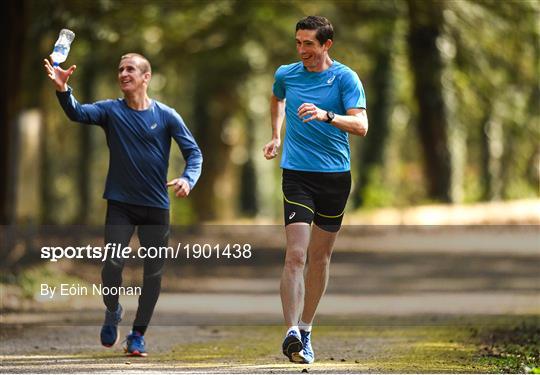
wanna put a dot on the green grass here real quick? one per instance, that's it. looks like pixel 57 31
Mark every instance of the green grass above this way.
pixel 467 344
pixel 512 348
pixel 232 344
pixel 456 346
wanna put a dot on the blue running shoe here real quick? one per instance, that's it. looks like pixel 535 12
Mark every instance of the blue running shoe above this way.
pixel 109 330
pixel 307 351
pixel 292 346
pixel 135 345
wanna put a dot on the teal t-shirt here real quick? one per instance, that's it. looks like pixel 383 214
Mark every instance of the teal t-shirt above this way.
pixel 317 146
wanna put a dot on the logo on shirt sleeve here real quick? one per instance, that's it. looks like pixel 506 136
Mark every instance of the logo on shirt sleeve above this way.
pixel 153 126
pixel 331 80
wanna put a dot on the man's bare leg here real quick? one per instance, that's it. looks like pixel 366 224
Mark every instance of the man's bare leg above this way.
pixel 292 278
pixel 318 266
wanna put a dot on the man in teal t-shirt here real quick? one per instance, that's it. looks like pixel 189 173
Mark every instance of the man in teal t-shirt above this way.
pixel 323 101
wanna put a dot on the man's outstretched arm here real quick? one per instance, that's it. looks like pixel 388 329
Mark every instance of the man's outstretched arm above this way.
pixel 85 113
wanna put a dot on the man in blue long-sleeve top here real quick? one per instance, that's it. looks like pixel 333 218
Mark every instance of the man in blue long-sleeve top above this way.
pixel 138 131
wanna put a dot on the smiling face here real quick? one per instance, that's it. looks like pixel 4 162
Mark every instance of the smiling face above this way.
pixel 311 51
pixel 131 76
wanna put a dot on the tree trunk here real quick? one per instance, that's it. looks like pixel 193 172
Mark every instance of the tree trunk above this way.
pixel 426 20
pixel 214 197
pixel 379 111
pixel 85 146
pixel 491 146
pixel 248 180
pixel 216 103
pixel 47 197
pixel 13 20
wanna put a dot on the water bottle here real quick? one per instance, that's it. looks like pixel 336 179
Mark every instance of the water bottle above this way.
pixel 61 47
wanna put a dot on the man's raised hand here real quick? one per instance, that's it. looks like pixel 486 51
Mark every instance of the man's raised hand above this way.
pixel 58 75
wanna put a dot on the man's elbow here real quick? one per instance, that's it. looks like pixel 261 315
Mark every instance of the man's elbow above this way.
pixel 362 127
pixel 74 118
pixel 277 101
pixel 199 158
pixel 72 115
pixel 193 156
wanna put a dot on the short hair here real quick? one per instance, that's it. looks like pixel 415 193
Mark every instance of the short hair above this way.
pixel 324 28
pixel 144 64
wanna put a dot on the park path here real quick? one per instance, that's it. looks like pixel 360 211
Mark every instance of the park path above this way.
pixel 367 288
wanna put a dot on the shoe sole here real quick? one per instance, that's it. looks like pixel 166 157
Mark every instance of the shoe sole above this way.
pixel 136 353
pixel 301 359
pixel 297 358
pixel 292 347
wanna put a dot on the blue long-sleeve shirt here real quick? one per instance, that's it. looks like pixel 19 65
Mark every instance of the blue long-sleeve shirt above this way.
pixel 139 144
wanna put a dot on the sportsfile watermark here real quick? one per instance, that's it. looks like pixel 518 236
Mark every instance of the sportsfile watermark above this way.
pixel 230 274
pixel 181 250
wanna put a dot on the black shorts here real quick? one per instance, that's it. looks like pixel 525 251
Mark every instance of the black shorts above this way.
pixel 317 197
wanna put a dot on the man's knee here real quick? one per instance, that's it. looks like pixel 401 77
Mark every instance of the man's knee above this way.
pixel 319 259
pixel 152 274
pixel 295 258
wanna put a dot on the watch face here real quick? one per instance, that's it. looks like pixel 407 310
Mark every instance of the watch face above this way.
pixel 330 115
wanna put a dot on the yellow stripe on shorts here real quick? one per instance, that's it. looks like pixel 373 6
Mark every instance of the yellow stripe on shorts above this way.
pixel 298 204
pixel 330 217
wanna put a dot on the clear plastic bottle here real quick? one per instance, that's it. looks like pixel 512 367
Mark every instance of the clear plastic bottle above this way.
pixel 62 46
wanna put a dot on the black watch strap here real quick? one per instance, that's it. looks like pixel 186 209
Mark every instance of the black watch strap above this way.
pixel 330 116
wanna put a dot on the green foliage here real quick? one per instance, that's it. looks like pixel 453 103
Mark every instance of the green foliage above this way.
pixel 206 53
pixel 30 279
pixel 513 349
pixel 182 212
pixel 376 193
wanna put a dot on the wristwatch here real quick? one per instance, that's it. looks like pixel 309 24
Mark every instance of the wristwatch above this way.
pixel 330 116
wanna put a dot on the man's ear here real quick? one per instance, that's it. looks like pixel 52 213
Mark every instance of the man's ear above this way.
pixel 328 44
pixel 147 77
